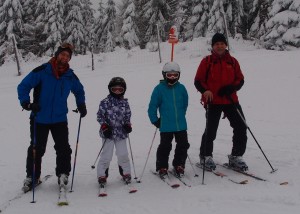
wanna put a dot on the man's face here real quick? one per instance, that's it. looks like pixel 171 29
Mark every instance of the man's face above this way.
pixel 219 48
pixel 63 58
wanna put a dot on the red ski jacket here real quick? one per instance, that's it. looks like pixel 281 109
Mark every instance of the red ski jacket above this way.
pixel 217 71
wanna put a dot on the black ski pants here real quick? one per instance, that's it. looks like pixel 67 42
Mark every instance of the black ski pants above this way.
pixel 213 115
pixel 60 134
pixel 165 146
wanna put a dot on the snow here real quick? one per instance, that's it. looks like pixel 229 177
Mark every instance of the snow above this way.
pixel 270 102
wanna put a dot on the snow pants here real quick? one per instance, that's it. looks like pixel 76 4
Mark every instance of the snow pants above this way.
pixel 165 147
pixel 60 134
pixel 106 157
pixel 213 115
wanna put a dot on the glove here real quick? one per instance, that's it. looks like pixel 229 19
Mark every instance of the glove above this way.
pixel 34 107
pixel 106 130
pixel 226 90
pixel 157 123
pixel 82 110
pixel 127 127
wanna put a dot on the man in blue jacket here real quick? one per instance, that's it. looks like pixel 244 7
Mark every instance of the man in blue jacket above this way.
pixel 170 98
pixel 52 83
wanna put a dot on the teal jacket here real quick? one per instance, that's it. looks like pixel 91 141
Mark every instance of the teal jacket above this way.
pixel 172 103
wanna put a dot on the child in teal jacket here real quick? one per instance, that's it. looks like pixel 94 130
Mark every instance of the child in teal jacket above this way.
pixel 170 98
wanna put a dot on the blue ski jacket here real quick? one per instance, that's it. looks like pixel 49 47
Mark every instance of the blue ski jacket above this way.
pixel 51 93
pixel 172 103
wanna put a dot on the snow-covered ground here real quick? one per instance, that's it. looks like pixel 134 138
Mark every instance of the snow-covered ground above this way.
pixel 270 102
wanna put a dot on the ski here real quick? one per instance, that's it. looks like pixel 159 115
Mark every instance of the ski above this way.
pixel 238 182
pixel 62 196
pixel 167 180
pixel 27 189
pixel 215 172
pixel 180 178
pixel 225 165
pixel 130 187
pixel 102 190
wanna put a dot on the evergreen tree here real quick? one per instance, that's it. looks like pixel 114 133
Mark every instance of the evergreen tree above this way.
pixel 75 30
pixel 157 12
pixel 141 22
pixel 234 13
pixel 88 20
pixel 183 16
pixel 40 35
pixel 198 22
pixel 10 23
pixel 259 17
pixel 98 29
pixel 283 28
pixel 109 26
pixel 215 21
pixel 129 28
pixel 120 8
pixel 53 26
pixel 28 41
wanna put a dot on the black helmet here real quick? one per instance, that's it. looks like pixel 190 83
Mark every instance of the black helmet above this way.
pixel 114 82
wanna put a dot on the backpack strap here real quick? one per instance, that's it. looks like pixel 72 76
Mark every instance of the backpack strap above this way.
pixel 208 63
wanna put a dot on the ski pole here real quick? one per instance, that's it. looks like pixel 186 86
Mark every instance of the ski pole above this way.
pixel 139 181
pixel 93 166
pixel 74 165
pixel 132 157
pixel 34 158
pixel 196 175
pixel 243 119
pixel 205 142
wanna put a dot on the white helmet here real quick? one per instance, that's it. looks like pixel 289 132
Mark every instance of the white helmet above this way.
pixel 171 67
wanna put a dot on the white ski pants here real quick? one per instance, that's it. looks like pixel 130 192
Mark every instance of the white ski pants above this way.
pixel 107 153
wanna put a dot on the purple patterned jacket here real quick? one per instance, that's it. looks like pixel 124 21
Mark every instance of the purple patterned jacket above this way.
pixel 115 113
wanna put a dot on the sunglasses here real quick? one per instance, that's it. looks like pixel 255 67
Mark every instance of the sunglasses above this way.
pixel 67 45
pixel 172 75
pixel 117 89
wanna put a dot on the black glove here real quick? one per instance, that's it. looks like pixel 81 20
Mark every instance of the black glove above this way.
pixel 34 107
pixel 82 110
pixel 127 127
pixel 157 123
pixel 226 90
pixel 106 130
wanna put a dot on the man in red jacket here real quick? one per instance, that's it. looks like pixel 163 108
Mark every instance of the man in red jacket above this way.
pixel 218 78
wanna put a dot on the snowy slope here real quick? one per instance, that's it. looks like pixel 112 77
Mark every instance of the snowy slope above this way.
pixel 270 102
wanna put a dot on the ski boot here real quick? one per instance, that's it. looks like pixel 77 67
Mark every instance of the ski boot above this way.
pixel 63 180
pixel 209 163
pixel 127 178
pixel 237 162
pixel 163 173
pixel 179 171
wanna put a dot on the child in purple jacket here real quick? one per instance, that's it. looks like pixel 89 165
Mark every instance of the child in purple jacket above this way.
pixel 114 118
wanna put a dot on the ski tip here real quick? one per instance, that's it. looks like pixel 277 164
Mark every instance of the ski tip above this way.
pixel 284 183
pixel 63 203
pixel 244 182
pixel 133 191
pixel 174 186
pixel 102 195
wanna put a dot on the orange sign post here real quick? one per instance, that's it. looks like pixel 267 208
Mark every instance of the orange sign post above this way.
pixel 173 39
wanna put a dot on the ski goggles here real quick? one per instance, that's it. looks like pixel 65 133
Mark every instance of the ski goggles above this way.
pixel 117 89
pixel 172 75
